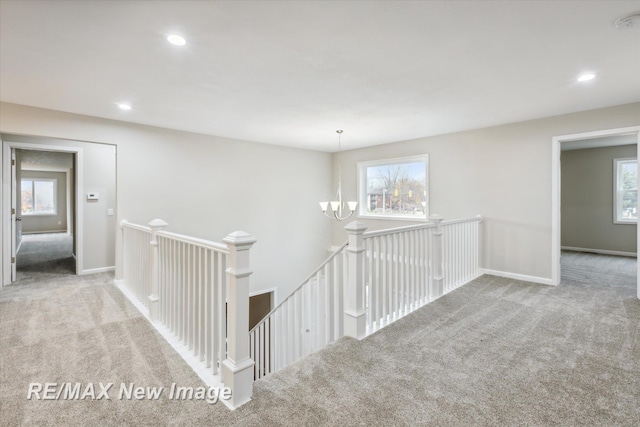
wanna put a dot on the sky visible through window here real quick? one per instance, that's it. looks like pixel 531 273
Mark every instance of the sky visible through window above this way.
pixel 395 189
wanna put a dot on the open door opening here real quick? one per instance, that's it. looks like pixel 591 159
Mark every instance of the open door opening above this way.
pixel 43 193
pixel 594 205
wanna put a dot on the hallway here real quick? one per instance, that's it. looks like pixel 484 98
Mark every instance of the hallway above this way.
pixel 494 352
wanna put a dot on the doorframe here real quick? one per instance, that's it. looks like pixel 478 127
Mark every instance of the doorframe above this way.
pixel 556 189
pixel 6 201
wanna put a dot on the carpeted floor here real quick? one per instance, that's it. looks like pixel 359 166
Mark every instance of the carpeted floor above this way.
pixel 496 352
pixel 43 255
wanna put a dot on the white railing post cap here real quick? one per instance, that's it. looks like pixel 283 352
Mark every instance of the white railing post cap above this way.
pixel 435 218
pixel 158 223
pixel 240 238
pixel 356 226
pixel 123 223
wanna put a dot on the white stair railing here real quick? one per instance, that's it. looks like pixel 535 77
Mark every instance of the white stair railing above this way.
pixel 408 267
pixel 307 320
pixel 137 261
pixel 196 294
pixel 192 294
pixel 460 252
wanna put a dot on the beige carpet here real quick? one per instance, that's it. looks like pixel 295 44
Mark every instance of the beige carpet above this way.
pixel 495 352
pixel 44 255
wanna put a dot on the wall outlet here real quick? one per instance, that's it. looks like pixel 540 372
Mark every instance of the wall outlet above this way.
pixel 109 212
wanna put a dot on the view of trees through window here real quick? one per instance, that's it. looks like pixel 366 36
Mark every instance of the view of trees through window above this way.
pixel 38 196
pixel 627 190
pixel 396 189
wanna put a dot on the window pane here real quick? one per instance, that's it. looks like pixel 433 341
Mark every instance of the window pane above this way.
pixel 44 197
pixel 394 189
pixel 629 205
pixel 629 176
pixel 626 190
pixel 27 196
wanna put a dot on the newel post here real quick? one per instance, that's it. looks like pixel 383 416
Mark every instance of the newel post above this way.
pixel 437 278
pixel 355 323
pixel 154 298
pixel 237 368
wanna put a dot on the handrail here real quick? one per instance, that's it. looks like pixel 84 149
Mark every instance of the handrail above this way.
pixel 427 225
pixel 207 244
pixel 125 223
pixel 325 262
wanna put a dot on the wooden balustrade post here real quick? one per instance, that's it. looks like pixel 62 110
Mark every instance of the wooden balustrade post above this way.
pixel 154 298
pixel 355 315
pixel 437 271
pixel 237 368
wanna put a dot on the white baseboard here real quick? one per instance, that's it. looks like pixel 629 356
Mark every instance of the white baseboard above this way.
pixel 27 233
pixel 600 251
pixel 516 276
pixel 97 270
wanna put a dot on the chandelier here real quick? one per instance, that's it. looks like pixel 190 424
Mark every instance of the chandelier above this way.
pixel 339 210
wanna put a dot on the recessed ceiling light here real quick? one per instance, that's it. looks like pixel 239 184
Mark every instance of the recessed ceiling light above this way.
pixel 177 40
pixel 125 107
pixel 586 77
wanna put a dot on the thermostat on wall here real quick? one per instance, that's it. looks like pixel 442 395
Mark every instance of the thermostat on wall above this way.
pixel 92 196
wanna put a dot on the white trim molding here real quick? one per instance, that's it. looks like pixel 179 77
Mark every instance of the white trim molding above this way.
pixel 516 276
pixel 97 270
pixel 600 251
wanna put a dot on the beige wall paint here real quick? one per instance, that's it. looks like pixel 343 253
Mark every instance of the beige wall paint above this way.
pixel 48 223
pixel 587 200
pixel 502 172
pixel 208 187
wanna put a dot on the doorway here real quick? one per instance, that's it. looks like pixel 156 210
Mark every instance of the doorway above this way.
pixel 42 221
pixel 45 213
pixel 629 134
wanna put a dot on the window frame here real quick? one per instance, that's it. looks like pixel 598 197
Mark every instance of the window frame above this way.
pixel 617 203
pixel 362 187
pixel 54 181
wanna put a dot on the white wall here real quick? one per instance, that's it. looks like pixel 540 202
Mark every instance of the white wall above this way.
pixel 503 173
pixel 208 187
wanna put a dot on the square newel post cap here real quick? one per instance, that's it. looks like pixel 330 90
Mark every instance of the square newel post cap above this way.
pixel 239 238
pixel 435 218
pixel 356 227
pixel 158 224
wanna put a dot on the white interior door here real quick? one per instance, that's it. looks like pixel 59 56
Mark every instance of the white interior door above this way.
pixel 14 214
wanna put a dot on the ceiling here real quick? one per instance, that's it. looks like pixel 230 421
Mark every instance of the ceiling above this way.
pixel 291 73
pixel 607 141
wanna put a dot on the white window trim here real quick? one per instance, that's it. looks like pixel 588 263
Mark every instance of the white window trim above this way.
pixel 33 190
pixel 362 187
pixel 616 162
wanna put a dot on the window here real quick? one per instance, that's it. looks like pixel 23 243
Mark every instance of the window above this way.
pixel 394 188
pixel 39 196
pixel 625 190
